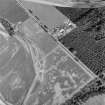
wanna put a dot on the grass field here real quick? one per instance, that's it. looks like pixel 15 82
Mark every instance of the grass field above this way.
pixel 10 10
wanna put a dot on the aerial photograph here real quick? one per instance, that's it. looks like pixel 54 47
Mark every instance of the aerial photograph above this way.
pixel 52 52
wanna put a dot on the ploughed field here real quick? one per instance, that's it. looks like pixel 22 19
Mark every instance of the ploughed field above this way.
pixel 88 39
